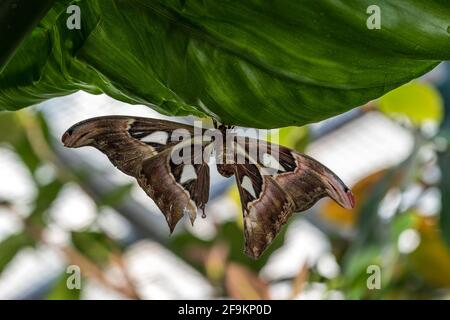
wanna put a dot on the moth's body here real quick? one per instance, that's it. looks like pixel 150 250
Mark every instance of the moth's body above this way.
pixel 175 173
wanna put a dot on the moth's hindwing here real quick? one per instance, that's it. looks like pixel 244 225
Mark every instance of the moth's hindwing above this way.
pixel 274 184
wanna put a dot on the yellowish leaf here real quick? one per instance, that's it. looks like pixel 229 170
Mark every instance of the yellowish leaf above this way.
pixel 292 137
pixel 215 261
pixel 431 258
pixel 233 193
pixel 243 284
pixel 419 101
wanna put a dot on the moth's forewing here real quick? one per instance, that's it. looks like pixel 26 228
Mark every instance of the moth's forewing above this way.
pixel 147 149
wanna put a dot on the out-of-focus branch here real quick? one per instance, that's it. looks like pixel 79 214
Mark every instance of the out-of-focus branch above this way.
pixel 91 270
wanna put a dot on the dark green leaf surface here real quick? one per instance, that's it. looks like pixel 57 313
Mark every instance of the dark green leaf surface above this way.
pixel 254 63
pixel 17 19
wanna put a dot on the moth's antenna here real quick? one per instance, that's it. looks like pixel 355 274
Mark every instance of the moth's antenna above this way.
pixel 215 123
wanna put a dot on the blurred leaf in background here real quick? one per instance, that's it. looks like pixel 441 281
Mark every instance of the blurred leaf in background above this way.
pixel 96 246
pixel 419 101
pixel 345 218
pixel 59 290
pixel 243 284
pixel 10 246
pixel 116 196
pixel 444 186
pixel 431 258
pixel 26 134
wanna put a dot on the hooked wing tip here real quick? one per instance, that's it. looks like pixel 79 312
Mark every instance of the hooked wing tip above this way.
pixel 68 138
pixel 65 137
pixel 351 199
pixel 254 254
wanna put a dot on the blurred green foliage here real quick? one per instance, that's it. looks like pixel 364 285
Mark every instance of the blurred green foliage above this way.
pixel 59 289
pixel 10 246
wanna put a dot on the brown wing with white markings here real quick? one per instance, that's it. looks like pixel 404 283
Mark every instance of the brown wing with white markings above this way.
pixel 144 148
pixel 276 183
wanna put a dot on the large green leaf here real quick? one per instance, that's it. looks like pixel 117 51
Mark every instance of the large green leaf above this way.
pixel 17 19
pixel 254 63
